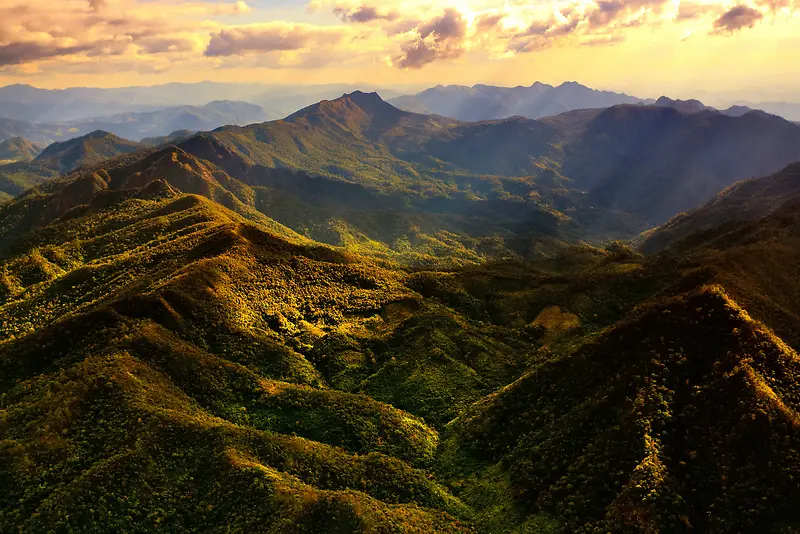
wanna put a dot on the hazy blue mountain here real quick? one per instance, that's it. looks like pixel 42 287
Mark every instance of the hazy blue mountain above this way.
pixel 684 106
pixel 486 102
pixel 42 134
pixel 788 110
pixel 137 126
pixel 31 104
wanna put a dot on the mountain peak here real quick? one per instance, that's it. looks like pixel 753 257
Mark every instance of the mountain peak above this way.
pixel 572 85
pixel 684 106
pixel 366 101
pixel 347 106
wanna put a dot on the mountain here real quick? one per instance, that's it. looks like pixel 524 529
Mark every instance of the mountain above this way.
pixel 62 157
pixel 35 133
pixel 623 158
pixel 171 138
pixel 695 106
pixel 745 201
pixel 18 149
pixel 655 162
pixel 484 102
pixel 31 104
pixel 79 104
pixel 137 126
pixel 684 106
pixel 86 150
pixel 280 102
pixel 173 358
pixel 737 111
pixel 666 422
pixel 788 110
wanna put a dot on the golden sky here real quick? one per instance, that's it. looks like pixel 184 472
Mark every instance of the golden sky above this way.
pixel 741 49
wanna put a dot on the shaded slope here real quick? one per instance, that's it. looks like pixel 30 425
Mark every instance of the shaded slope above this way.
pixel 684 416
pixel 655 162
pixel 747 200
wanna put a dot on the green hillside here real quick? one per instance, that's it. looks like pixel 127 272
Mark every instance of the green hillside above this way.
pixel 353 321
pixel 622 158
pixel 186 366
pixel 89 149
pixel 18 149
pixel 63 157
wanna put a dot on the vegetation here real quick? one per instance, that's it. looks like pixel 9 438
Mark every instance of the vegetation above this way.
pixel 173 358
pixel 18 149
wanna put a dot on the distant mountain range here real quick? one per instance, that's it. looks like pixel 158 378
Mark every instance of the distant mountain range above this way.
pixel 46 116
pixel 619 159
pixel 136 126
pixel 486 102
pixel 80 104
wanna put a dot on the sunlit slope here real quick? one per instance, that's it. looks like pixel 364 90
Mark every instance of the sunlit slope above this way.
pixel 151 362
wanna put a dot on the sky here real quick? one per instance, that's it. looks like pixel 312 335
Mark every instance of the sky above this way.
pixel 747 49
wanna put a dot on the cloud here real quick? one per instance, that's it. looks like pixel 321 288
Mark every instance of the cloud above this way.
pixel 160 45
pixel 737 18
pixel 18 53
pixel 691 11
pixel 271 37
pixel 363 14
pixel 43 34
pixel 488 21
pixel 440 38
pixel 609 40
